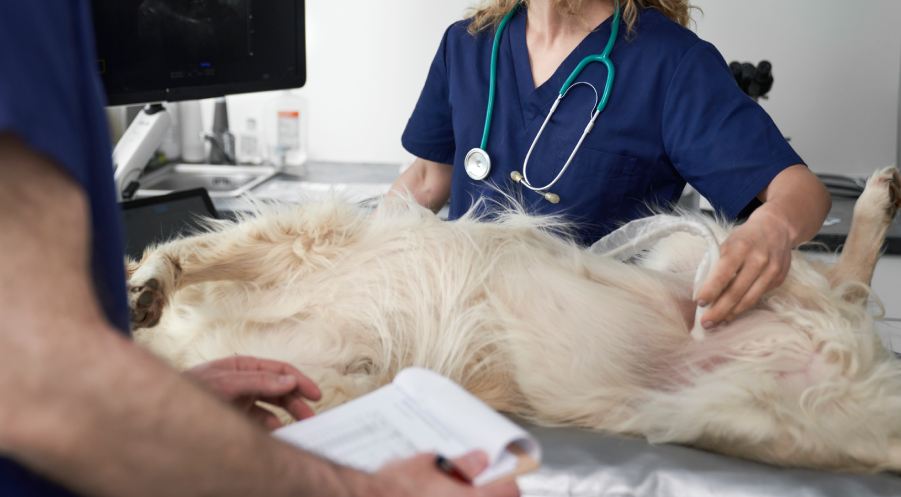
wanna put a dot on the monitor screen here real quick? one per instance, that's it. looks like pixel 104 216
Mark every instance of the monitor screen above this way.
pixel 156 220
pixel 169 50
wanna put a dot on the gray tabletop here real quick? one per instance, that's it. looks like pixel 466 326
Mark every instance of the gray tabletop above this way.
pixel 578 463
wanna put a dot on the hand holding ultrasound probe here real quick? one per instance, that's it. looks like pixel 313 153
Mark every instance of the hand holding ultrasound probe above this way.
pixel 515 109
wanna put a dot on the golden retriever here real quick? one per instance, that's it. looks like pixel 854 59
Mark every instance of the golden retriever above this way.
pixel 540 327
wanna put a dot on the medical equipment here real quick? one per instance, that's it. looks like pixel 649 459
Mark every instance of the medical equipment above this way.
pixel 755 81
pixel 165 50
pixel 640 235
pixel 478 163
pixel 137 146
pixel 161 50
pixel 155 220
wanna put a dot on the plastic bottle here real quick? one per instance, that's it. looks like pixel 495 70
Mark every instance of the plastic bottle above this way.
pixel 193 148
pixel 286 132
pixel 171 146
pixel 249 151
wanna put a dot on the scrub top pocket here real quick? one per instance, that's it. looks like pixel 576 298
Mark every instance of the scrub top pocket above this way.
pixel 599 190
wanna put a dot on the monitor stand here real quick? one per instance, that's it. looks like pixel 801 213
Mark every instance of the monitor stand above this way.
pixel 134 150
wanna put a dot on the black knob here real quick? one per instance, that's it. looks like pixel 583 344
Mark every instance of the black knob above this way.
pixel 130 190
pixel 763 80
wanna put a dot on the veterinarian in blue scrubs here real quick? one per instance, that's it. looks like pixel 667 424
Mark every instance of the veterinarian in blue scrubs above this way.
pixel 675 115
pixel 81 405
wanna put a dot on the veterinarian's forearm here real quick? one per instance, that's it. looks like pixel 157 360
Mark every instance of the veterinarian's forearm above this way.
pixel 113 421
pixel 85 407
pixel 429 183
pixel 797 198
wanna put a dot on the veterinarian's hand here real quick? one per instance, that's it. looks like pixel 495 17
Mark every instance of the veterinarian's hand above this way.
pixel 242 381
pixel 419 476
pixel 753 260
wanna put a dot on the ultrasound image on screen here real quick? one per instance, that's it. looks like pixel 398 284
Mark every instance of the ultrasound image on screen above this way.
pixel 154 45
pixel 195 30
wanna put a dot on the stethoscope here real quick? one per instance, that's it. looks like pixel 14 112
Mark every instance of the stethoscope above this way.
pixel 478 163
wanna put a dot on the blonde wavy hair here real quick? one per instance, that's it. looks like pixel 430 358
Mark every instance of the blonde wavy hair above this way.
pixel 492 11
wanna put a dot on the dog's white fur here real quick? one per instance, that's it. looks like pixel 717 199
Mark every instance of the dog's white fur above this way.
pixel 539 327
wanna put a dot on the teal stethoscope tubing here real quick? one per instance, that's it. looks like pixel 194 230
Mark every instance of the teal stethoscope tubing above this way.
pixel 603 57
pixel 492 88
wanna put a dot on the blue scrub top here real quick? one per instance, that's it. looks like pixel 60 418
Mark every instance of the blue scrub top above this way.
pixel 675 114
pixel 51 98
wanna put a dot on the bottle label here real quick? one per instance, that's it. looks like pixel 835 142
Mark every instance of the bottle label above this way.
pixel 289 130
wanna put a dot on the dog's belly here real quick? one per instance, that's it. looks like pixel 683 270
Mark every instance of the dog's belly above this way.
pixel 578 340
pixel 588 340
pixel 562 335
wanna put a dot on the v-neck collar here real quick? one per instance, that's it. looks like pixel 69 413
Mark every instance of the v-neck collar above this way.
pixel 532 98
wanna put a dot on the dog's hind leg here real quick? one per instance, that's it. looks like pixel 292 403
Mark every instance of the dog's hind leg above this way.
pixel 224 255
pixel 873 214
pixel 262 250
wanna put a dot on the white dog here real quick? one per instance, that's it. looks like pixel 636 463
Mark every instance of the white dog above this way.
pixel 537 326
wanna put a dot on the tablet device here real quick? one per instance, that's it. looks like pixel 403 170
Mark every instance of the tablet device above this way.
pixel 155 220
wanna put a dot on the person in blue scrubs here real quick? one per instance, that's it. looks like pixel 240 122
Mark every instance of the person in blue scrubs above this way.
pixel 84 410
pixel 675 115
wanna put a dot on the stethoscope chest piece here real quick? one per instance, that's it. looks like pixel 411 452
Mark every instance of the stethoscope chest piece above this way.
pixel 477 164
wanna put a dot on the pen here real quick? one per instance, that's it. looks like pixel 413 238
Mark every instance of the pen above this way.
pixel 447 467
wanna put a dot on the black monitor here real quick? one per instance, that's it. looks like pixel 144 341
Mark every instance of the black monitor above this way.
pixel 156 220
pixel 170 50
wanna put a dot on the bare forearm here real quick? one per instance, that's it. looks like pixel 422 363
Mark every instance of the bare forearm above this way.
pixel 125 425
pixel 428 182
pixel 84 406
pixel 756 256
pixel 797 198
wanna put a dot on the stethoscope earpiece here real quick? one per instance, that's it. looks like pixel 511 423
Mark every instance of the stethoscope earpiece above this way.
pixel 553 198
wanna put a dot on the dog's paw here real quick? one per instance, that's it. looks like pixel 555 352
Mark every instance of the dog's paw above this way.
pixel 882 196
pixel 145 303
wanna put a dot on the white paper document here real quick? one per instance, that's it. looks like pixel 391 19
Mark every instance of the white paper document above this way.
pixel 420 411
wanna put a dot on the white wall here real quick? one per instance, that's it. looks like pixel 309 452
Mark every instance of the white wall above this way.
pixel 836 68
pixel 366 64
